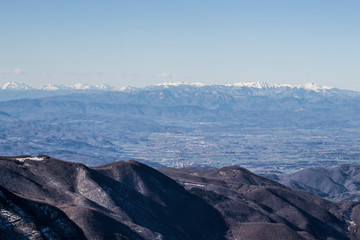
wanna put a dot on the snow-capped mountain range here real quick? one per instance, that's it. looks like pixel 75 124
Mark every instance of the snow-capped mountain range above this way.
pixel 15 86
pixel 190 90
pixel 80 86
pixel 53 87
pixel 256 85
pixel 262 85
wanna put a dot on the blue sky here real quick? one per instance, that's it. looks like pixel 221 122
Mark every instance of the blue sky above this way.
pixel 139 43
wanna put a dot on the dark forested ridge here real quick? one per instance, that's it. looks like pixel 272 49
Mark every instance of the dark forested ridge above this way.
pixel 45 198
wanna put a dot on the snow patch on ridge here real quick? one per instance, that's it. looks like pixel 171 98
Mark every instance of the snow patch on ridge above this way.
pixel 194 184
pixel 53 87
pixel 30 158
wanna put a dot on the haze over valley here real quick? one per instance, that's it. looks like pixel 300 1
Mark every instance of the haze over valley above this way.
pixel 263 127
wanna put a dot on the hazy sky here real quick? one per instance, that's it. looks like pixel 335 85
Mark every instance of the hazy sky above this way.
pixel 139 43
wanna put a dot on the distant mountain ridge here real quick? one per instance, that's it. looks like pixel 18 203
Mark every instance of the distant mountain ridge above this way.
pixel 54 87
pixel 15 86
pixel 180 93
pixel 337 183
pixel 12 85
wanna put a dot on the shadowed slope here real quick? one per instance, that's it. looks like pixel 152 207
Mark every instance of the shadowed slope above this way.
pixel 116 201
pixel 258 208
pixel 129 200
pixel 20 217
pixel 336 183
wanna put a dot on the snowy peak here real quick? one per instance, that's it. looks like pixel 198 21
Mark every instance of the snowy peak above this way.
pixel 78 86
pixel 53 87
pixel 81 86
pixel 104 87
pixel 262 85
pixel 247 88
pixel 15 86
pixel 126 89
pixel 177 84
pixel 316 87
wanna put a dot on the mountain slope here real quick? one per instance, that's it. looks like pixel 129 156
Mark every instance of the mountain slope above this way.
pixel 20 217
pixel 129 200
pixel 116 201
pixel 336 183
pixel 258 208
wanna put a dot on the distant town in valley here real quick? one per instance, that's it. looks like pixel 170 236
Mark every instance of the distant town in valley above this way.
pixel 265 128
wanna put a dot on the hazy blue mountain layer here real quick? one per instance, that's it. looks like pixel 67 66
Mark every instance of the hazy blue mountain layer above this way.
pixel 337 183
pixel 259 126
